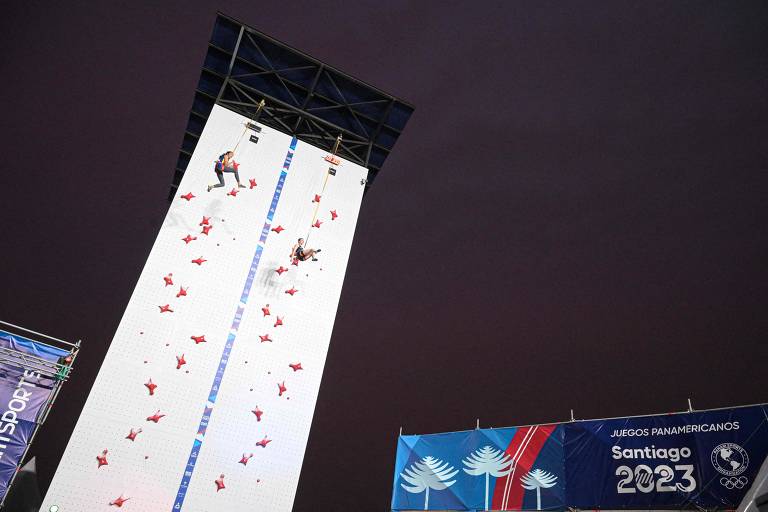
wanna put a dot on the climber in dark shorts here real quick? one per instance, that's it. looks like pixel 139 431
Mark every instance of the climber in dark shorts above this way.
pixel 300 253
pixel 226 164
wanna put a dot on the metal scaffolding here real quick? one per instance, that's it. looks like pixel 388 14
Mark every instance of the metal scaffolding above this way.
pixel 305 98
pixel 58 372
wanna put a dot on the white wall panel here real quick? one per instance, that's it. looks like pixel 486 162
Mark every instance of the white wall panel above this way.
pixel 149 471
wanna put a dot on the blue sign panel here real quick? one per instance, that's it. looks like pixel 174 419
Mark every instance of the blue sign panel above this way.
pixel 691 460
pixel 22 394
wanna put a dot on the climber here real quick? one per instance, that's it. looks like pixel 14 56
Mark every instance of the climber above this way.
pixel 225 163
pixel 298 252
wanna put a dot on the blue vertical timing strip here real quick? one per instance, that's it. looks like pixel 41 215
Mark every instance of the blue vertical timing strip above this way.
pixel 208 409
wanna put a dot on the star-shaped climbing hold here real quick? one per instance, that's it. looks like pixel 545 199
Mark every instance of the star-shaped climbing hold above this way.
pixel 132 434
pixel 296 366
pixel 281 388
pixel 334 215
pixel 252 181
pixel 180 361
pixel 244 460
pixel 317 223
pixel 182 292
pixel 316 199
pixel 165 309
pixel 151 386
pixel 279 321
pixel 207 229
pixel 264 442
pixel 258 412
pixel 198 339
pixel 265 338
pixel 220 483
pixel 233 192
pixel 278 229
pixel 118 502
pixel 188 196
pixel 199 261
pixel 280 270
pixel 236 165
pixel 189 238
pixel 295 262
pixel 292 291
pixel 205 220
pixel 155 417
pixel 265 310
pixel 102 459
pixel 168 279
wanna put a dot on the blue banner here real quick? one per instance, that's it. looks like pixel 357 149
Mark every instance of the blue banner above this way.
pixel 22 395
pixel 690 460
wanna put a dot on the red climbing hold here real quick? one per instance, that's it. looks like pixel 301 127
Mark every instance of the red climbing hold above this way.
pixel 155 417
pixel 264 442
pixel 189 238
pixel 258 412
pixel 182 292
pixel 292 291
pixel 233 192
pixel 281 388
pixel 168 280
pixel 278 229
pixel 102 458
pixel 334 214
pixel 165 309
pixel 316 199
pixel 220 482
pixel 265 310
pixel 151 386
pixel 132 434
pixel 180 361
pixel 198 339
pixel 295 262
pixel 206 229
pixel 279 321
pixel 199 261
pixel 296 366
pixel 317 223
pixel 204 222
pixel 265 338
pixel 244 460
pixel 188 196
pixel 118 502
pixel 252 181
pixel 281 270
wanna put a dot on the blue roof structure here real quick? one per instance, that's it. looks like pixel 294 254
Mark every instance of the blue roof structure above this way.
pixel 303 96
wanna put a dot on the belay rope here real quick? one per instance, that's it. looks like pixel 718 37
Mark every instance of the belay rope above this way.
pixel 247 124
pixel 322 191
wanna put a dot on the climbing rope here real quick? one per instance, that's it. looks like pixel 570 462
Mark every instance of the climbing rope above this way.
pixel 322 191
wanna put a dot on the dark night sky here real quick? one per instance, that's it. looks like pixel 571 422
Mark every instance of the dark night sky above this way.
pixel 573 218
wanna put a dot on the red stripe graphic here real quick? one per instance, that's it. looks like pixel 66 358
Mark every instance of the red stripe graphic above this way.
pixel 524 449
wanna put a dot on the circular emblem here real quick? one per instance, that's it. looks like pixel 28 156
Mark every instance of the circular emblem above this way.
pixel 730 459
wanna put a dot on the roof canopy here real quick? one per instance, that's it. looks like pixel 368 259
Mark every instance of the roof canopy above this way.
pixel 304 97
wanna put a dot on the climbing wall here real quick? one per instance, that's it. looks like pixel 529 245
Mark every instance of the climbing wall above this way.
pixel 205 398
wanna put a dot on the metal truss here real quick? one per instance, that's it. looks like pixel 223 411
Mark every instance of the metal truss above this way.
pixel 304 97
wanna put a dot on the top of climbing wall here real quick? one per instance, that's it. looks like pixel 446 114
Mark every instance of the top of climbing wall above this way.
pixel 304 97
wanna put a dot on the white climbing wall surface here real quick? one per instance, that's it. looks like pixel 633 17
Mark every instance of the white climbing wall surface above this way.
pixel 205 398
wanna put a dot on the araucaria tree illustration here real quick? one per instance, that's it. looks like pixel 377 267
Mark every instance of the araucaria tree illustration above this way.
pixel 428 473
pixel 489 462
pixel 538 479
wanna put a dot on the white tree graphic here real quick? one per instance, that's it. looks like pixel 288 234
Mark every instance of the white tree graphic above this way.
pixel 489 462
pixel 538 479
pixel 429 473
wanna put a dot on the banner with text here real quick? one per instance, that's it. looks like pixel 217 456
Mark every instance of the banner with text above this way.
pixel 701 459
pixel 22 394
